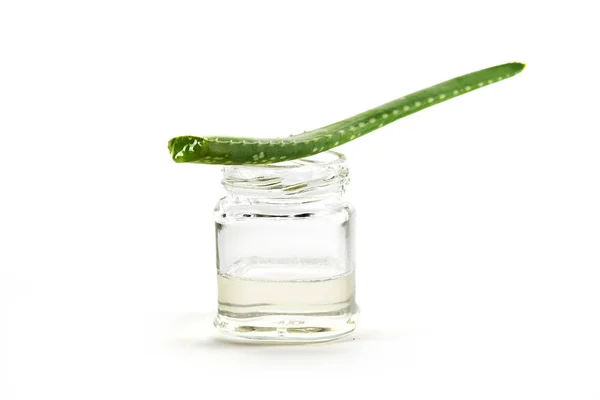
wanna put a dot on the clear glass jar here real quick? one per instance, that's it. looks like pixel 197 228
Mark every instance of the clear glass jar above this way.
pixel 285 251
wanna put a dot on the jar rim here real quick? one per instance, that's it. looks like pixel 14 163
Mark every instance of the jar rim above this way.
pixel 320 175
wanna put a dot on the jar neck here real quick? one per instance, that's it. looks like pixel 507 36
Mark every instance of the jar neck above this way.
pixel 318 178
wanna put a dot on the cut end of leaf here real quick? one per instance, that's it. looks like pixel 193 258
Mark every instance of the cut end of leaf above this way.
pixel 186 148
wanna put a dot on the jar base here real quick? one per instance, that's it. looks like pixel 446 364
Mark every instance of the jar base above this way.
pixel 286 328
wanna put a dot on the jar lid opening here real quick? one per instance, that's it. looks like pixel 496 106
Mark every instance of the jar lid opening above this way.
pixel 320 175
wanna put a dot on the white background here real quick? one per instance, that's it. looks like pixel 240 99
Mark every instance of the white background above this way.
pixel 479 222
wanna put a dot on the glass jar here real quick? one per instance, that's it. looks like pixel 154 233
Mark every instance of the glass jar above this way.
pixel 285 251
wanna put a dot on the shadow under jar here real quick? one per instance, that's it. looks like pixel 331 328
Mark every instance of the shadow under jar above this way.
pixel 285 251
